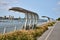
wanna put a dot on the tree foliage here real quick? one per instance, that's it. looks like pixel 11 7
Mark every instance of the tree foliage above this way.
pixel 58 19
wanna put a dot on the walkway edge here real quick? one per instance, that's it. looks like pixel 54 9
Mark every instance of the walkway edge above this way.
pixel 50 32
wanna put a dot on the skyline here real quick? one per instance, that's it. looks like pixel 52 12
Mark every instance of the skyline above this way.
pixel 50 8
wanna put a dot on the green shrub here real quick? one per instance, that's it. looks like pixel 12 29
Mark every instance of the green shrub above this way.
pixel 38 32
pixel 20 35
pixel 26 34
pixel 51 24
pixel 54 22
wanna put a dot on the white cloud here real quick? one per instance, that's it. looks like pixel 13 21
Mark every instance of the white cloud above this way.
pixel 57 8
pixel 6 4
pixel 56 11
pixel 3 3
pixel 59 3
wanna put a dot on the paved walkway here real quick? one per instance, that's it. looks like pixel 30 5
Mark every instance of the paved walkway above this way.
pixel 52 34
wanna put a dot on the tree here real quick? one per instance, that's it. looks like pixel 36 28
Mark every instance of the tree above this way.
pixel 58 19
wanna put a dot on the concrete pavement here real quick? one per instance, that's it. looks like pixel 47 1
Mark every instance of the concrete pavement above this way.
pixel 52 34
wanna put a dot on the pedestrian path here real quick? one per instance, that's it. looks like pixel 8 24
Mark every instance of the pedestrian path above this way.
pixel 55 34
pixel 52 34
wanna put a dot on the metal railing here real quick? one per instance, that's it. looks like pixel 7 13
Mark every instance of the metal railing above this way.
pixel 9 29
pixel 9 26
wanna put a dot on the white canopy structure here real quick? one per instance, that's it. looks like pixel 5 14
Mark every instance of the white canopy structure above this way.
pixel 30 17
pixel 47 17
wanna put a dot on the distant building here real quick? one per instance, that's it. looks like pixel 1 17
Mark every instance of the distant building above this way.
pixel 11 17
pixel 19 18
pixel 5 17
pixel 1 18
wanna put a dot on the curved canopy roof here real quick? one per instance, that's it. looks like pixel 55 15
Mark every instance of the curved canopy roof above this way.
pixel 23 10
pixel 20 10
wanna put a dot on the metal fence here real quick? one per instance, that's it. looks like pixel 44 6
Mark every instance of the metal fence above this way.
pixel 9 29
pixel 8 26
pixel 12 25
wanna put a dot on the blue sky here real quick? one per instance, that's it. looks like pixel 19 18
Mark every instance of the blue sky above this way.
pixel 50 8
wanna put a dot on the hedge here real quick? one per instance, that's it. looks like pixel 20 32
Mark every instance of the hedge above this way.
pixel 31 34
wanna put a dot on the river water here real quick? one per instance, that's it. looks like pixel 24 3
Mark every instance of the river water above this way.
pixel 10 25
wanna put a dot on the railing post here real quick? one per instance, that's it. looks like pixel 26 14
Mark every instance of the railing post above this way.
pixel 4 30
pixel 26 20
pixel 15 28
pixel 33 21
pixel 30 21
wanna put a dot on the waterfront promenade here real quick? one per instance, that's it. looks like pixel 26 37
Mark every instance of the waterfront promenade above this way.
pixel 52 34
